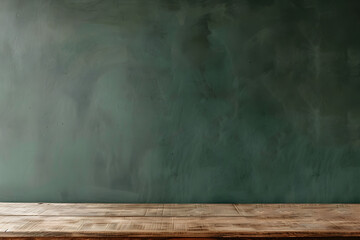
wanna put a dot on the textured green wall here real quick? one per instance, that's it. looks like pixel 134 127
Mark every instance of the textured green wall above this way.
pixel 180 101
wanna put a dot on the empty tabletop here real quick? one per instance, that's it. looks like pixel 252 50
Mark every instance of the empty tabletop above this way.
pixel 211 221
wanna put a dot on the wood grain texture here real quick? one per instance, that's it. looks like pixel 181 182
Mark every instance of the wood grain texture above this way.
pixel 154 221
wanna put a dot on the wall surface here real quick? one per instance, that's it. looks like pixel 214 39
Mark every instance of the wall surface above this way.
pixel 180 101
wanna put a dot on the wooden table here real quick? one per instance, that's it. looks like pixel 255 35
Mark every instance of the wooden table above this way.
pixel 163 221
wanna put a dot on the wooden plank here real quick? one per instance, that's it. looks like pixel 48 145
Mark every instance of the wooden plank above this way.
pixel 78 209
pixel 150 221
pixel 151 210
pixel 38 226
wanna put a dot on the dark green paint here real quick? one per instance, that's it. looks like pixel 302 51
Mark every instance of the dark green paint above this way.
pixel 180 101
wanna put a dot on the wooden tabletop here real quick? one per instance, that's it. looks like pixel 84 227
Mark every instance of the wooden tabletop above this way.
pixel 48 220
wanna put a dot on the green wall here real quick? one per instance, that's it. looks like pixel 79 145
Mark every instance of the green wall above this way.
pixel 180 101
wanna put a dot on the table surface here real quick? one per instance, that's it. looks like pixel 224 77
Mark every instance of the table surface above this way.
pixel 35 220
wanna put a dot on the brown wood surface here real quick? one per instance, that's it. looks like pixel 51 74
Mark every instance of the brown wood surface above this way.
pixel 154 221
